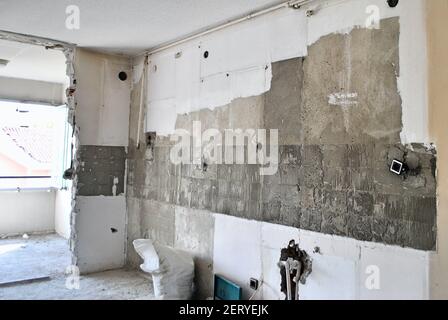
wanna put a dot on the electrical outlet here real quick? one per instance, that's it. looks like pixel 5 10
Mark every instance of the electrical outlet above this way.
pixel 397 167
pixel 253 283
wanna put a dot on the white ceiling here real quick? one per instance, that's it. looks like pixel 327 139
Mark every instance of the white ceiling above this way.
pixel 32 62
pixel 121 26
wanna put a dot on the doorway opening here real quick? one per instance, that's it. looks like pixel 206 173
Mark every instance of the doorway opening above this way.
pixel 35 149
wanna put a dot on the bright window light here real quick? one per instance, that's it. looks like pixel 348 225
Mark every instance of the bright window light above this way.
pixel 32 145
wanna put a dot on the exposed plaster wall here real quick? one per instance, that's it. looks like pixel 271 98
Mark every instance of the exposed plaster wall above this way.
pixel 437 24
pixel 343 15
pixel 187 82
pixel 236 67
pixel 101 170
pixel 101 104
pixel 333 174
pixel 184 86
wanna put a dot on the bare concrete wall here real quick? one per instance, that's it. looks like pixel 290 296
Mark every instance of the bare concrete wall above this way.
pixel 340 117
pixel 339 132
pixel 152 211
pixel 101 170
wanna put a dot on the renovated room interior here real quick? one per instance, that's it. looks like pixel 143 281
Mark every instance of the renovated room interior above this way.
pixel 158 149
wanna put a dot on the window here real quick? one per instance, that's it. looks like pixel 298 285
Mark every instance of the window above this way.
pixel 33 148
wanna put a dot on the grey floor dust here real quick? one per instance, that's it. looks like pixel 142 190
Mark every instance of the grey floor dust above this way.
pixel 48 255
pixel 37 256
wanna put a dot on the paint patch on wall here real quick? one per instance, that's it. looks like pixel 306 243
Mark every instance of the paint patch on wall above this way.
pixel 237 65
pixel 287 35
pixel 343 99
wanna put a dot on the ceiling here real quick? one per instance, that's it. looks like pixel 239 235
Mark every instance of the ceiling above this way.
pixel 121 26
pixel 32 62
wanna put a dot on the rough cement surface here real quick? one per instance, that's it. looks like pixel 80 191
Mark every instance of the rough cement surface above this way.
pixel 49 255
pixel 194 234
pixel 37 256
pixel 350 92
pixel 101 167
pixel 283 103
pixel 157 222
pixel 108 285
pixel 155 186
pixel 133 209
pixel 338 112
pixel 242 113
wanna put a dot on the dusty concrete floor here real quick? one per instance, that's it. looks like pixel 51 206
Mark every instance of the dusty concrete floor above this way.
pixel 37 256
pixel 108 285
pixel 49 255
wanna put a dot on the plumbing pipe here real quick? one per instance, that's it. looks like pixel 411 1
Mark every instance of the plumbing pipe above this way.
pixel 296 4
pixel 142 94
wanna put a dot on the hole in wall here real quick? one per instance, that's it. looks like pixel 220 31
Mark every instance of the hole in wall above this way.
pixel 295 266
pixel 122 76
pixel 206 54
pixel 150 139
pixel 113 230
pixel 392 3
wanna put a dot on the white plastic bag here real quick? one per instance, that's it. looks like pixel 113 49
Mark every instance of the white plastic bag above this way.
pixel 172 270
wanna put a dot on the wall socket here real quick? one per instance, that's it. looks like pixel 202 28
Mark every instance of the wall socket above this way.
pixel 253 283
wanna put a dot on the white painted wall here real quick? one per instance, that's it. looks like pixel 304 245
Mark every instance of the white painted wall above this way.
pixel 103 101
pixel 240 58
pixel 35 211
pixel 238 65
pixel 62 212
pixel 26 212
pixel 31 90
pixel 34 62
pixel 97 248
pixel 245 249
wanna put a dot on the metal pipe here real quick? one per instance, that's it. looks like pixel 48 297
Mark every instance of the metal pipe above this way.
pixel 142 91
pixel 288 280
pixel 288 4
